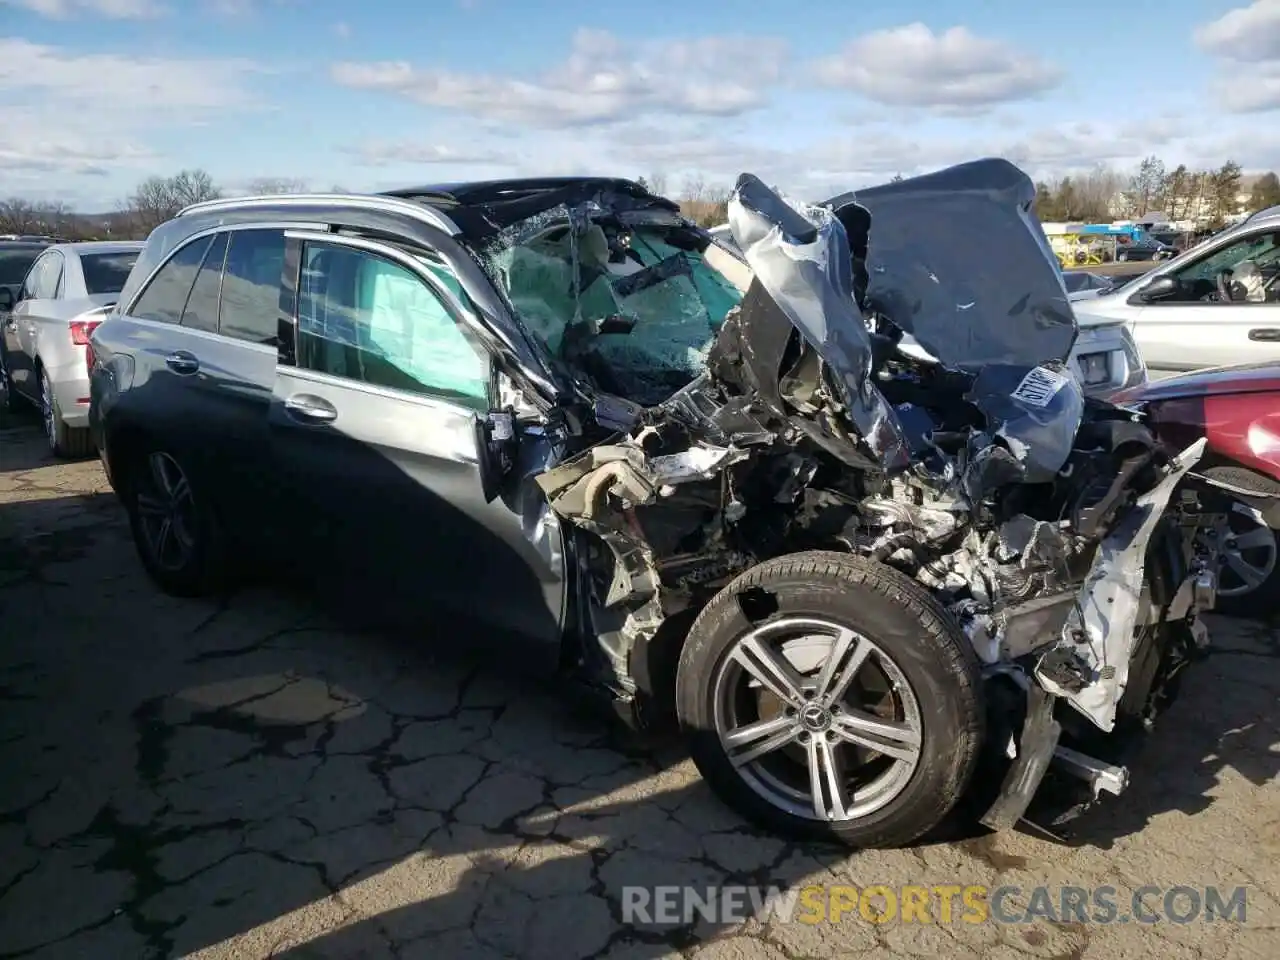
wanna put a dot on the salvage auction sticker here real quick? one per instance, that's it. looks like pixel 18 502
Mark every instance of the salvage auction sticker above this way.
pixel 1039 386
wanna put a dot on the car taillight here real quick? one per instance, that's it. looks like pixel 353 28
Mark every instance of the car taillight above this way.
pixel 89 358
pixel 81 330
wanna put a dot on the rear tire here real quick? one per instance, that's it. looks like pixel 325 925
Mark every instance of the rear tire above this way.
pixel 1263 559
pixel 175 530
pixel 925 672
pixel 70 443
pixel 12 402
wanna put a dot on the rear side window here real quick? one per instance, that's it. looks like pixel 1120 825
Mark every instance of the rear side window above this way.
pixel 164 298
pixel 202 306
pixel 14 265
pixel 251 286
pixel 106 272
pixel 42 281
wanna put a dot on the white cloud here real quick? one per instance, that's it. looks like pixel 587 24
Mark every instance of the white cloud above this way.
pixel 954 70
pixel 407 152
pixel 120 85
pixel 1247 41
pixel 1246 34
pixel 603 80
pixel 107 9
pixel 83 113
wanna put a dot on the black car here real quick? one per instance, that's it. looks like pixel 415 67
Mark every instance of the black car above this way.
pixel 1145 248
pixel 16 258
pixel 562 415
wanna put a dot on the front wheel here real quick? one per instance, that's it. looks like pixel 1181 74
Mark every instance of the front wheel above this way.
pixel 825 696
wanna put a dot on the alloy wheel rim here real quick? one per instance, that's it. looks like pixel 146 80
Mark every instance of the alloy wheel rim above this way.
pixel 1247 548
pixel 166 510
pixel 46 410
pixel 817 719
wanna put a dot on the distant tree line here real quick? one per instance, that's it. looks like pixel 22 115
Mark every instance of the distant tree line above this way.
pixel 1104 193
pixel 1209 197
pixel 154 200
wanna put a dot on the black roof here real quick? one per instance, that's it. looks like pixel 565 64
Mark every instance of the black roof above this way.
pixel 484 207
pixel 474 192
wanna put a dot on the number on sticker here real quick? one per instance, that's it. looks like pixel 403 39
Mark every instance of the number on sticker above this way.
pixel 1038 386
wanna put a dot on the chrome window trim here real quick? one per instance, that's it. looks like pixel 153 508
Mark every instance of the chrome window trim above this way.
pixel 219 338
pixel 462 314
pixel 126 310
pixel 390 393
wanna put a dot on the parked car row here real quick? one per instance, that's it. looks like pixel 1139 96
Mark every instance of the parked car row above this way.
pixel 51 299
pixel 853 562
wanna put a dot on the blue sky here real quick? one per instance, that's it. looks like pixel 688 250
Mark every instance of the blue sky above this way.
pixel 97 94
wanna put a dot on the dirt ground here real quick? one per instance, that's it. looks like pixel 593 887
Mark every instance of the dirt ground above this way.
pixel 185 779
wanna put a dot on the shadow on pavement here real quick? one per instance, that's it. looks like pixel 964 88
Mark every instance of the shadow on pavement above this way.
pixel 243 779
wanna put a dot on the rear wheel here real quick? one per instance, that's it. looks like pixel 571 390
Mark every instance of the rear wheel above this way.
pixel 1249 575
pixel 826 696
pixel 174 528
pixel 12 402
pixel 64 441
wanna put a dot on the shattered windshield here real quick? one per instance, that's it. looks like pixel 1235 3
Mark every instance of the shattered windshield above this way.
pixel 634 300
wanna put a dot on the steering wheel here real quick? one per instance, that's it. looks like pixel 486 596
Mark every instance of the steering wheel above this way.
pixel 1224 286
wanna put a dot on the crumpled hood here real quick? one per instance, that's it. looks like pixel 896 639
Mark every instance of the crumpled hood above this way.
pixel 803 263
pixel 958 260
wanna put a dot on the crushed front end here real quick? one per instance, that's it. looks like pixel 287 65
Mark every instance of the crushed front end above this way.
pixel 1054 531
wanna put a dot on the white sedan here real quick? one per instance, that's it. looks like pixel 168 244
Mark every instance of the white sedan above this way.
pixel 46 327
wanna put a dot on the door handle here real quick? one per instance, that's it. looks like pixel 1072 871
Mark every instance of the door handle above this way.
pixel 182 362
pixel 308 408
pixel 1265 333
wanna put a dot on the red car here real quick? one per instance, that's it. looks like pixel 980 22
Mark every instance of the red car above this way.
pixel 1238 409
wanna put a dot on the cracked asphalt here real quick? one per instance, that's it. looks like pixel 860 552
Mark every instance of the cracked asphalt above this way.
pixel 187 779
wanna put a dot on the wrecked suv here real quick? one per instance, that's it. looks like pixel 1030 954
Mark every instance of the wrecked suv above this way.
pixel 864 581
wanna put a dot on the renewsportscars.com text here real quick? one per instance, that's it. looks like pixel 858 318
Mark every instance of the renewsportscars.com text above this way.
pixel 943 904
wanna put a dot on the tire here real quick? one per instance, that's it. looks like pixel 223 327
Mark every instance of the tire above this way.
pixel 1122 257
pixel 1263 598
pixel 70 443
pixel 905 628
pixel 12 402
pixel 201 570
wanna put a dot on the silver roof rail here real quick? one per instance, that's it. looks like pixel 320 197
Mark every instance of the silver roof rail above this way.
pixel 359 201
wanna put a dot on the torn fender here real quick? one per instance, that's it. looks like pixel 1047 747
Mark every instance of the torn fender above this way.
pixel 1089 665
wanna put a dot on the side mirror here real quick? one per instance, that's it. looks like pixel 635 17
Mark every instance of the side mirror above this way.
pixel 1159 288
pixel 6 299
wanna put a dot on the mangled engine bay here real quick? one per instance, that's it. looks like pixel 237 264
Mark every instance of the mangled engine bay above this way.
pixel 1045 523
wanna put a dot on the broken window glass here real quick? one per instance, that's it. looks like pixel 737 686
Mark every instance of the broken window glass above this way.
pixel 635 306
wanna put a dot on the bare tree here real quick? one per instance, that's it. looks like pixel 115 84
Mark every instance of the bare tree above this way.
pixel 1099 191
pixel 18 215
pixel 657 182
pixel 264 186
pixel 158 199
pixel 694 189
pixel 717 206
pixel 1146 184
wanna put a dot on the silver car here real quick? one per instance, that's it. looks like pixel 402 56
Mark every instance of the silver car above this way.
pixel 65 295
pixel 1216 304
